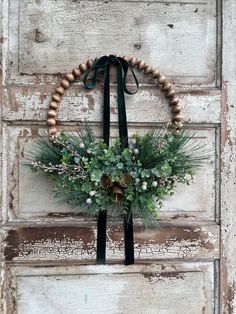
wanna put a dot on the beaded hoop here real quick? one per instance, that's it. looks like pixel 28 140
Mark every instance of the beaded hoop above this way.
pixel 148 70
pixel 139 174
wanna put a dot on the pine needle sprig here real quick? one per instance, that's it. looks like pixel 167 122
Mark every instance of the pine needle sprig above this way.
pixel 155 163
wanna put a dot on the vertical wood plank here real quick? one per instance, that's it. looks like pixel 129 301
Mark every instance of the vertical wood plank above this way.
pixel 228 192
pixel 1 48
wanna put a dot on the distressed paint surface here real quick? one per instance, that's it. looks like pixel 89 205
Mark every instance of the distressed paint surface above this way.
pixel 3 288
pixel 102 27
pixel 122 289
pixel 30 103
pixel 228 187
pixel 79 243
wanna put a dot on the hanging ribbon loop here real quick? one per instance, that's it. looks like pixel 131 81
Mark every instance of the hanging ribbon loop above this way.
pixel 102 66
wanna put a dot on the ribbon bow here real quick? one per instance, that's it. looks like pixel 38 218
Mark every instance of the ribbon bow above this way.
pixel 102 66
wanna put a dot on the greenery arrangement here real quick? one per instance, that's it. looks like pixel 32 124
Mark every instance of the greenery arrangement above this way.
pixel 92 176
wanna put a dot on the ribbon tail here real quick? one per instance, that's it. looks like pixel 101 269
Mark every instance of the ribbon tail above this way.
pixel 102 216
pixel 123 129
pixel 106 109
pixel 129 238
pixel 123 132
pixel 101 237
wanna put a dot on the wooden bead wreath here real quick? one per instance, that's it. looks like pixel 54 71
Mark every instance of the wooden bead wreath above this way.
pixel 138 173
pixel 148 70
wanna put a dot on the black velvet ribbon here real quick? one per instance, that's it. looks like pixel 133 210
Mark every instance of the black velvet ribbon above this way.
pixel 102 66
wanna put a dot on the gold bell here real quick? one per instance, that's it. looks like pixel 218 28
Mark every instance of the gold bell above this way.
pixel 125 180
pixel 106 181
pixel 116 194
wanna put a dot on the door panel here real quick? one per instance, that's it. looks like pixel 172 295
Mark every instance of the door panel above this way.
pixel 152 30
pixel 115 289
pixel 180 266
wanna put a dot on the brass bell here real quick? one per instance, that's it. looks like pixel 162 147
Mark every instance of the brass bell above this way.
pixel 106 181
pixel 125 180
pixel 117 193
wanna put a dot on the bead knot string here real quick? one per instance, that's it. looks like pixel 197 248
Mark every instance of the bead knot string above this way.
pixel 140 65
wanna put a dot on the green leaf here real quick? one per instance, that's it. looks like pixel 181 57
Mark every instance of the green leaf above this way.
pixel 156 172
pixel 120 165
pixel 126 153
pixel 166 169
pixel 77 160
pixel 130 197
pixel 134 174
pixel 96 175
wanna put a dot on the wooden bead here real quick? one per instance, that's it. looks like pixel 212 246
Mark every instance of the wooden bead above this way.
pixel 178 118
pixel 148 69
pixel 141 65
pixel 133 61
pixel 56 97
pixel 53 105
pixel 51 138
pixel 166 87
pixel 179 125
pixel 127 58
pixel 60 90
pixel 52 113
pixel 90 63
pixel 170 93
pixel 156 73
pixel 176 109
pixel 83 67
pixel 70 77
pixel 162 79
pixel 52 130
pixel 76 72
pixel 65 83
pixel 51 122
pixel 174 101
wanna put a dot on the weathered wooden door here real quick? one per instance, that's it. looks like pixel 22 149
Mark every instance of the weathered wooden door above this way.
pixel 48 254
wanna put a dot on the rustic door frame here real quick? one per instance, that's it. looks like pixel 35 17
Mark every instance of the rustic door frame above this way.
pixel 228 160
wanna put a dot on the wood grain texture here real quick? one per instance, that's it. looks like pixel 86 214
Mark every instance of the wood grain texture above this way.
pixel 49 33
pixel 2 270
pixel 121 289
pixel 228 187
